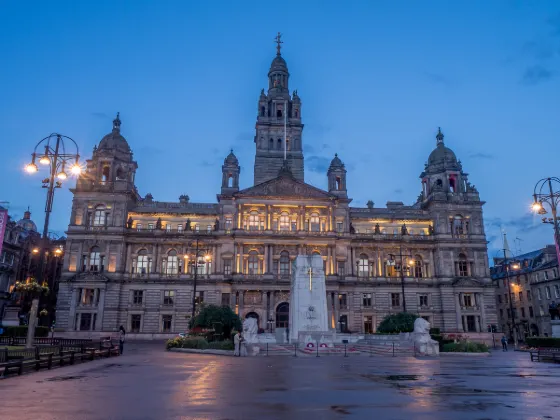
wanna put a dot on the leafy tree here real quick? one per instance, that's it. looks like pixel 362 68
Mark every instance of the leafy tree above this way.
pixel 397 323
pixel 210 315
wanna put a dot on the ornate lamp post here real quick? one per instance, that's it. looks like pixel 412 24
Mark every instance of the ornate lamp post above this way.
pixel 552 199
pixel 402 268
pixel 515 266
pixel 193 257
pixel 52 152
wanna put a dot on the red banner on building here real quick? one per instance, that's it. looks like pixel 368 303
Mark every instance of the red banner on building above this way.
pixel 3 223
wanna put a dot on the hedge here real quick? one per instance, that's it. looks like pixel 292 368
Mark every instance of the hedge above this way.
pixel 465 347
pixel 198 343
pixel 21 331
pixel 543 342
pixel 441 340
pixel 397 323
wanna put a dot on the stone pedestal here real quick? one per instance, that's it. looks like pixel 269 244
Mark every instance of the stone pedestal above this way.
pixel 308 297
pixel 11 316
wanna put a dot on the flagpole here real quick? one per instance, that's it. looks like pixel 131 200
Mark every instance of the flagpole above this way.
pixel 285 122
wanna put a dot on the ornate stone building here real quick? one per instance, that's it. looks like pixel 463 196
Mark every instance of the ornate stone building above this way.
pixel 133 261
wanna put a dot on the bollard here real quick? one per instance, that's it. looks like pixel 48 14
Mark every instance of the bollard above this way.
pixel 393 349
pixel 266 349
pixel 295 349
pixel 345 354
pixel 317 349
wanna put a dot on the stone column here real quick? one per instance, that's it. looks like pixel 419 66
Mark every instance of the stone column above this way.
pixel 240 304
pixel 329 267
pixel 156 263
pixel 337 311
pixel 266 268
pixel 458 312
pixel 232 296
pixel 482 309
pixel 335 262
pixel 72 312
pixel 100 310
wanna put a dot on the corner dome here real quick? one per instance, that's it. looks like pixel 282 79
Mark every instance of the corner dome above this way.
pixel 336 162
pixel 442 157
pixel 231 159
pixel 26 223
pixel 278 64
pixel 115 140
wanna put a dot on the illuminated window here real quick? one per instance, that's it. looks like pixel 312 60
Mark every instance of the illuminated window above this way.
pixel 99 216
pixel 253 263
pixel 363 266
pixel 315 223
pixel 172 262
pixel 284 263
pixel 284 223
pixel 254 221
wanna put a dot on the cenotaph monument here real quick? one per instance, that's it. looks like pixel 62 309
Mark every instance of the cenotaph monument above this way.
pixel 308 301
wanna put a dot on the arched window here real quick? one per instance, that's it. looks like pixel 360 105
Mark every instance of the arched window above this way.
pixel 279 113
pixel 283 315
pixel 105 174
pixel 230 180
pixel 284 263
pixel 95 259
pixel 338 183
pixel 452 186
pixel 418 267
pixel 172 262
pixel 462 266
pixel 363 266
pixel 296 113
pixel 99 216
pixel 262 111
pixel 121 175
pixel 253 263
pixel 287 144
pixel 271 147
pixel 284 221
pixel 279 147
pixel 254 220
pixel 315 222
pixel 142 265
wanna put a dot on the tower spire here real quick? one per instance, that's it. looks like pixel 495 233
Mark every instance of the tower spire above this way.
pixel 439 136
pixel 279 42
pixel 117 122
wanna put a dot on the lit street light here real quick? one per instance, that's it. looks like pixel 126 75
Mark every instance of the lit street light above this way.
pixel 552 199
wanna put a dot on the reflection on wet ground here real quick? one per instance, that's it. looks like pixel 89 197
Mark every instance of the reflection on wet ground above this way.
pixel 149 383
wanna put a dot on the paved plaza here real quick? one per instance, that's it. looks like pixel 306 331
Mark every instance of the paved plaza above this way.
pixel 150 383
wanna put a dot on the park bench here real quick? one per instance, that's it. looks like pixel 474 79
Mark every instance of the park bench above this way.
pixel 66 356
pixel 44 360
pixel 12 367
pixel 545 355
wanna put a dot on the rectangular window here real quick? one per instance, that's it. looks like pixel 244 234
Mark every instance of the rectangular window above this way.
pixel 501 313
pixel 366 300
pixel 471 323
pixel 342 301
pixel 166 321
pixel 499 298
pixel 135 323
pixel 508 313
pixel 523 312
pixel 209 228
pixel 294 226
pixel 520 296
pixel 227 267
pixel 539 294
pixel 197 228
pixel 138 226
pixel 463 269
pixel 531 314
pixel 168 297
pixel 137 297
pixel 199 297
pixel 504 282
pixel 506 300
pixel 87 296
pixel 395 300
pixel 368 324
pixel 547 291
pixel 150 226
pixel 423 300
pixel 546 275
pixel 226 299
pixel 468 300
pixel 229 222
pixel 179 228
pixel 85 322
pixel 556 291
pixel 528 295
pixel 168 227
pixel 339 226
pixel 341 269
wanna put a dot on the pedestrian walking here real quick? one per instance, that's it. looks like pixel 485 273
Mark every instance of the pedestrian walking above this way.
pixel 504 343
pixel 122 334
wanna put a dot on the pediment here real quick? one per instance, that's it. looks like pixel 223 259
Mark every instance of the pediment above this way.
pixel 285 186
pixel 466 282
pixel 89 276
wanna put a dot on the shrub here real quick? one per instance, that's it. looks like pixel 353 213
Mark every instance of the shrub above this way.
pixel 212 316
pixel 465 347
pixel 198 343
pixel 21 331
pixel 397 323
pixel 435 331
pixel 221 345
pixel 543 342
pixel 442 340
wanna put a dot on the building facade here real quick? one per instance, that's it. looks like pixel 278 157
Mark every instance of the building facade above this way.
pixel 533 293
pixel 131 260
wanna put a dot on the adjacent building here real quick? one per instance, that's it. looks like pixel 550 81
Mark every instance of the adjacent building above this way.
pixel 134 261
pixel 528 286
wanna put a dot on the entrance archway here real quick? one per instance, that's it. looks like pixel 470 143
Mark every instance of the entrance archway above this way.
pixel 283 315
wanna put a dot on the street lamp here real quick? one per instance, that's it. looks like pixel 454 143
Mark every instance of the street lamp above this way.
pixel 552 199
pixel 194 258
pixel 57 156
pixel 410 260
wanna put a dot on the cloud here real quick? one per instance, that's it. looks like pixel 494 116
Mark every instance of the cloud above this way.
pixel 481 156
pixel 536 74
pixel 307 148
pixel 318 164
pixel 99 115
pixel 398 191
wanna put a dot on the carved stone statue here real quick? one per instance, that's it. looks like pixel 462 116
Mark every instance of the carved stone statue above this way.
pixel 188 225
pixel 430 230
pixel 217 224
pixel 423 343
pixel 158 223
pixel 370 204
pixel 149 198
pixel 377 230
pixel 404 230
pixel 352 230
pixel 129 223
pixel 250 330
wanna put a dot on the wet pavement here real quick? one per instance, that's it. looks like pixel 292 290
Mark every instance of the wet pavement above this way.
pixel 150 383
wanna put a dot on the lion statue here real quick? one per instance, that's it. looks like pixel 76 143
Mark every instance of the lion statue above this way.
pixel 423 343
pixel 421 326
pixel 250 330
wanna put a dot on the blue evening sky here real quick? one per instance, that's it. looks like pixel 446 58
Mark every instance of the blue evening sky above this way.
pixel 376 79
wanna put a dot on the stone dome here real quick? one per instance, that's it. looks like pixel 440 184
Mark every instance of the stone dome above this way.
pixel 231 159
pixel 336 162
pixel 278 64
pixel 114 140
pixel 442 157
pixel 26 223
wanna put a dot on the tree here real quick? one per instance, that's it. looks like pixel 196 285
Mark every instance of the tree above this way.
pixel 211 314
pixel 397 323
